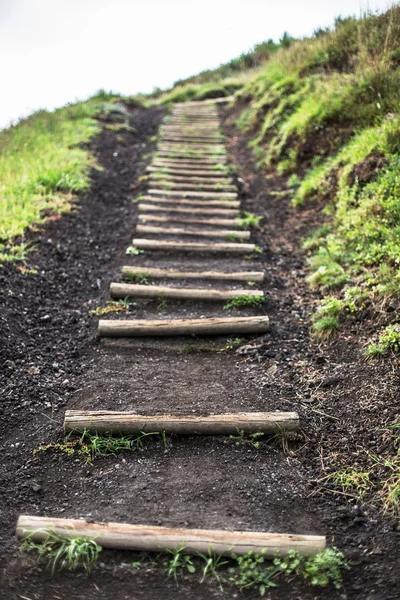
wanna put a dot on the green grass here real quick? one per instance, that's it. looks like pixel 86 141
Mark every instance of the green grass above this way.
pixel 112 306
pixel 249 220
pixel 42 166
pixel 389 341
pixel 245 301
pixel 64 553
pixel 89 446
pixel 335 95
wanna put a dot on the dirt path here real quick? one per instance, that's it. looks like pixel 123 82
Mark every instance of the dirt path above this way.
pixel 54 362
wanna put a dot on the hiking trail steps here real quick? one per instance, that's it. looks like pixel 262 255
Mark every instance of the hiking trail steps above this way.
pixel 191 182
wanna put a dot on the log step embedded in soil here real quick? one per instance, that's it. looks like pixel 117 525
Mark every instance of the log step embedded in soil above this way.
pixel 189 221
pixel 132 272
pixel 102 421
pixel 150 538
pixel 194 194
pixel 191 202
pixel 168 184
pixel 211 326
pixel 219 247
pixel 132 290
pixel 201 174
pixel 240 235
pixel 185 209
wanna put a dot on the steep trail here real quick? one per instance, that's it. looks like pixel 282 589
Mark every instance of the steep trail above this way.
pixel 198 482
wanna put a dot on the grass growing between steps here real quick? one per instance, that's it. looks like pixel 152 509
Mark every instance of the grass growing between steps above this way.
pixel 245 572
pixel 43 164
pixel 90 446
pixel 324 113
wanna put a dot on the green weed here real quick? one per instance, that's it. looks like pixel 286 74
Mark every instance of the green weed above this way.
pixel 112 306
pixel 249 220
pixel 90 446
pixel 243 439
pixel 64 553
pixel 133 251
pixel 389 341
pixel 245 301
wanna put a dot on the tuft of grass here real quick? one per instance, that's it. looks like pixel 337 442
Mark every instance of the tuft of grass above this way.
pixel 133 251
pixel 324 569
pixel 244 302
pixel 389 341
pixel 325 327
pixel 112 306
pixel 90 446
pixel 326 319
pixel 64 553
pixel 251 439
pixel 352 481
pixel 250 220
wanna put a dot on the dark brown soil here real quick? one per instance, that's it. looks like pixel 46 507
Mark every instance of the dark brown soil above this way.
pixel 52 360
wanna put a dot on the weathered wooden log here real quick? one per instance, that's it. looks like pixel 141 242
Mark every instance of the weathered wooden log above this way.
pixel 191 202
pixel 187 220
pixel 133 290
pixel 240 235
pixel 193 151
pixel 190 172
pixel 130 422
pixel 193 194
pixel 184 209
pixel 191 139
pixel 220 189
pixel 211 326
pixel 221 247
pixel 172 178
pixel 153 272
pixel 167 159
pixel 150 538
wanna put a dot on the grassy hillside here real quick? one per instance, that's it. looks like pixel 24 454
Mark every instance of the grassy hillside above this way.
pixel 324 113
pixel 43 163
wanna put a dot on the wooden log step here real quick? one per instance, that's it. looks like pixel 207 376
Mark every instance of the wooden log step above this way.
pixel 224 233
pixel 211 326
pixel 167 159
pixel 189 174
pixel 133 290
pixel 198 124
pixel 183 202
pixel 195 151
pixel 180 123
pixel 150 538
pixel 193 179
pixel 202 186
pixel 193 133
pixel 102 421
pixel 184 209
pixel 153 272
pixel 191 139
pixel 223 247
pixel 193 194
pixel 166 165
pixel 175 219
pixel 201 159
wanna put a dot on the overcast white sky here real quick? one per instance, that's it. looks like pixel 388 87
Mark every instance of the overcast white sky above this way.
pixel 57 51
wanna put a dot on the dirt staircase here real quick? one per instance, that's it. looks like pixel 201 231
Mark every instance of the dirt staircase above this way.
pixel 190 218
